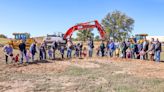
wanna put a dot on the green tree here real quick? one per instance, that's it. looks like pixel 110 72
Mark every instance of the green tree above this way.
pixel 3 36
pixel 118 25
pixel 83 35
pixel 97 38
pixel 74 39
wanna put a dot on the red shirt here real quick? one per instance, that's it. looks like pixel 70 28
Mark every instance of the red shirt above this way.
pixel 16 59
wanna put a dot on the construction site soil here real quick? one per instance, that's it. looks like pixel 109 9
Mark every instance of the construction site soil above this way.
pixel 82 75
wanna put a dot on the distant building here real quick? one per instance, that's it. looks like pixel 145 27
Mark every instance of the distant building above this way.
pixel 161 38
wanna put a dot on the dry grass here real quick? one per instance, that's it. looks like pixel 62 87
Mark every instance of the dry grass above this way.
pixel 83 75
pixel 69 76
pixel 3 40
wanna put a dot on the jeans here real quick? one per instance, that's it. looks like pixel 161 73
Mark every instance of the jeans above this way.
pixel 102 53
pixel 42 55
pixel 69 52
pixel 142 57
pixel 111 53
pixel 123 54
pixel 6 59
pixel 133 55
pixel 33 56
pixel 23 54
pixel 146 56
pixel 157 55
pixel 90 52
pixel 53 54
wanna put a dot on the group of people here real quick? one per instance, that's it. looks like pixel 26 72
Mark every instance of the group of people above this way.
pixel 135 50
pixel 23 53
pixel 126 49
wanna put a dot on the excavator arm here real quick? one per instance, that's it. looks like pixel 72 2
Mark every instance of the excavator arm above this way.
pixel 83 26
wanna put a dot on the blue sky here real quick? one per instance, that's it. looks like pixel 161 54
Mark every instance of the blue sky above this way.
pixel 41 17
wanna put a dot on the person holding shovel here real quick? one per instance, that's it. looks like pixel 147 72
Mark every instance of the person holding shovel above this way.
pixel 8 51
pixel 33 50
pixel 23 52
pixel 90 47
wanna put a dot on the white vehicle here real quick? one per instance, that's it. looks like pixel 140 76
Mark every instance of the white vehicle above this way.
pixel 49 39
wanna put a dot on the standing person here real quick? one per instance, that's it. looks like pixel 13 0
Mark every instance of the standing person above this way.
pixel 152 50
pixel 8 50
pixel 102 48
pixel 108 48
pixel 80 49
pixel 142 54
pixel 33 50
pixel 42 52
pixel 117 52
pixel 145 48
pixel 22 49
pixel 69 48
pixel 98 51
pixel 158 49
pixel 84 52
pixel 128 44
pixel 54 47
pixel 62 51
pixel 136 52
pixel 16 58
pixel 132 47
pixel 44 44
pixel 123 49
pixel 77 50
pixel 90 47
pixel 111 48
pixel 128 53
pixel 117 44
pixel 140 47
pixel 28 56
pixel 50 53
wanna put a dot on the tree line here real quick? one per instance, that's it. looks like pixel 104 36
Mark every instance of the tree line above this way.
pixel 3 36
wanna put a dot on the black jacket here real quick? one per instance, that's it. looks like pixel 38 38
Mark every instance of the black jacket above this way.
pixel 158 46
pixel 22 47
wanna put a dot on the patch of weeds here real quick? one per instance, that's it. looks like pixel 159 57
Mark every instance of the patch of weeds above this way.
pixel 76 71
pixel 154 82
pixel 124 89
pixel 24 76
pixel 41 87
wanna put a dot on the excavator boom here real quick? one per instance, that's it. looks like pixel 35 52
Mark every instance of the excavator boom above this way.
pixel 86 25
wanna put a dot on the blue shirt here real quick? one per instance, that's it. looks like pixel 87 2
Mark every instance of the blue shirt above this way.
pixel 111 46
pixel 90 45
pixel 8 49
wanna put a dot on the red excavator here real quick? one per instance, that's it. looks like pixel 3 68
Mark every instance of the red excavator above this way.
pixel 83 26
pixel 79 27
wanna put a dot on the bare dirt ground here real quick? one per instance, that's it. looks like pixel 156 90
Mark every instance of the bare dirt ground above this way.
pixel 82 75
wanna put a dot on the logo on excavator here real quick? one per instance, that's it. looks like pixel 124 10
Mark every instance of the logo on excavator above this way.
pixel 80 27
